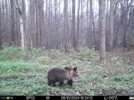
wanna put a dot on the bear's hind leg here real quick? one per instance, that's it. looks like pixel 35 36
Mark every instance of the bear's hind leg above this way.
pixel 51 83
pixel 61 83
pixel 70 82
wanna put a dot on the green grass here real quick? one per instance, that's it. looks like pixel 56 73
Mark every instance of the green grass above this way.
pixel 25 73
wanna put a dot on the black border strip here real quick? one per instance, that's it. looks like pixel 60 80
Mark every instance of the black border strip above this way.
pixel 66 97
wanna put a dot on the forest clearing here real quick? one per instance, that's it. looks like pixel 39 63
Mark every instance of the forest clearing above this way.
pixel 25 74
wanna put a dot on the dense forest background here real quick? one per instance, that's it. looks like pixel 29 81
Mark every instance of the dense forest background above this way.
pixel 56 24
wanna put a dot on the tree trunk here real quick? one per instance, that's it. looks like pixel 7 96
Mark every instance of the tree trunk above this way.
pixel 87 14
pixel 0 40
pixel 93 28
pixel 41 21
pixel 31 24
pixel 111 37
pixel 73 24
pixel 18 7
pixel 17 28
pixel 37 24
pixel 65 25
pixel 0 29
pixel 24 18
pixel 91 25
pixel 102 29
pixel 78 26
pixel 12 22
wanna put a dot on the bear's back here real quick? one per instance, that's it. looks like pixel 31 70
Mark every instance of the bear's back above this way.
pixel 57 74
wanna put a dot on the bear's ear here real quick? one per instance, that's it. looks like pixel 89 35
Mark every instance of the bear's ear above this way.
pixel 75 68
pixel 67 68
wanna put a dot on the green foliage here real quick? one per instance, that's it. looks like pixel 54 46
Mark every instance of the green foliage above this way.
pixel 44 59
pixel 124 79
pixel 11 53
pixel 116 60
pixel 10 67
pixel 89 54
pixel 25 73
pixel 35 52
pixel 132 67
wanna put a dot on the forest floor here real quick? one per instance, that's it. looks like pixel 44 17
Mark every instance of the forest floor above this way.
pixel 25 73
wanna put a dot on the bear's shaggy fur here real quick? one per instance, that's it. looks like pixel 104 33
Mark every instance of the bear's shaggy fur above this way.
pixel 59 75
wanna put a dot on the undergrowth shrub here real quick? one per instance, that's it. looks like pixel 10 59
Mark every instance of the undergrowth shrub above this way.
pixel 11 67
pixel 26 74
pixel 89 54
pixel 11 53
pixel 44 59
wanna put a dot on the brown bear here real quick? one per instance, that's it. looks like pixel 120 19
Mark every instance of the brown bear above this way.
pixel 59 75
